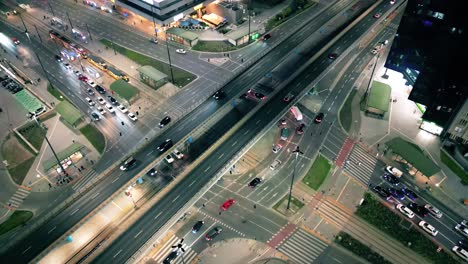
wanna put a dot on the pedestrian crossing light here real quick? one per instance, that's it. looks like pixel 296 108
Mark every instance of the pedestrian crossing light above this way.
pixel 254 36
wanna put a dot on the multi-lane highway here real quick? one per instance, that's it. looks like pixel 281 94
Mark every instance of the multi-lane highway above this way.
pixel 40 238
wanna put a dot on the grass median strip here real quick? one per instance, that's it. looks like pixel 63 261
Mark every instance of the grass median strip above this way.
pixel 363 251
pixel 389 222
pixel 94 136
pixel 18 218
pixel 453 166
pixel 345 111
pixel 318 172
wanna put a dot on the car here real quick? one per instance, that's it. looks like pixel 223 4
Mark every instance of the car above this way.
pixel 396 193
pixel 67 66
pixel 39 110
pixel 90 92
pixel 227 204
pixel 462 229
pixel 169 159
pixel 218 95
pixel 132 116
pixel 213 233
pixel 197 226
pixel 101 100
pixel 418 209
pixel 266 36
pixel 405 210
pixel 433 211
pixel 391 179
pixel 95 116
pixel 153 40
pixel 165 145
pixel 92 83
pixel 392 2
pixel 300 129
pixel 382 192
pixel 110 108
pixel 99 89
pixel 377 15
pixel 277 148
pixel 128 164
pixel 463 244
pixel 122 109
pixel 77 72
pixel 112 100
pixel 181 51
pixel 410 194
pixel 332 56
pixel 256 94
pixel 101 110
pixel 171 257
pixel 374 51
pixel 58 58
pixel 152 172
pixel 394 171
pixel 275 164
pixel 460 252
pixel 318 119
pixel 90 102
pixel 166 120
pixel 428 228
pixel 256 181
pixel 288 98
pixel 83 78
pixel 282 122
pixel 178 154
pixel 16 41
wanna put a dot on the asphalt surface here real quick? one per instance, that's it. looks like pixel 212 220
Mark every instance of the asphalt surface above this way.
pixel 124 247
pixel 37 241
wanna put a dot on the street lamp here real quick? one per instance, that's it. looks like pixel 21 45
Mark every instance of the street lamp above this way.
pixel 169 57
pixel 297 151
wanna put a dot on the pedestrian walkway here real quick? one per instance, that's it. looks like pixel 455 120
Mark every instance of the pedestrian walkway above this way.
pixel 282 235
pixel 333 143
pixel 344 152
pixel 184 257
pixel 360 164
pixel 17 199
pixel 302 247
pixel 84 180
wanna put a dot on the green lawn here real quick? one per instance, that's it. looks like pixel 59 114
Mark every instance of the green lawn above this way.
pixel 295 205
pixel 124 89
pixel 389 222
pixel 55 92
pixel 453 166
pixel 353 245
pixel 181 77
pixel 94 136
pixel 33 133
pixel 214 46
pixel 379 96
pixel 19 172
pixel 287 14
pixel 71 115
pixel 318 172
pixel 346 117
pixel 18 218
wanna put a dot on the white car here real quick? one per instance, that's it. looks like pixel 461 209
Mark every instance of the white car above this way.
pixel 90 102
pixel 275 164
pixel 462 229
pixel 132 116
pixel 91 83
pixel 181 51
pixel 90 92
pixel 374 51
pixel 110 108
pixel 460 252
pixel 101 100
pixel 101 110
pixel 277 148
pixel 428 228
pixel 67 66
pixel 178 154
pixel 122 108
pixel 169 159
pixel 405 210
pixel 433 211
pixel 394 171
pixel 76 72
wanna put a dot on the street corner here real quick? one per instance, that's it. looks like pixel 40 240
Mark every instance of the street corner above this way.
pixel 235 251
pixel 351 194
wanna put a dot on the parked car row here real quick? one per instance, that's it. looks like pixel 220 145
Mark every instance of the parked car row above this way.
pixel 10 84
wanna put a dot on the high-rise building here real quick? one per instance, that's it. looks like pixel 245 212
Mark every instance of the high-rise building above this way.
pixel 458 129
pixel 428 49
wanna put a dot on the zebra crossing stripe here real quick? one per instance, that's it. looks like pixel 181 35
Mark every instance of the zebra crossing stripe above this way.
pixel 166 249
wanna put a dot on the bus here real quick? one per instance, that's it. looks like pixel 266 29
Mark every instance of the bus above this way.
pixel 116 74
pixel 297 113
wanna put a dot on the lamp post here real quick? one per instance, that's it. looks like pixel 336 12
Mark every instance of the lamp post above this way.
pixel 169 57
pixel 297 152
pixel 372 73
pixel 50 146
pixel 69 20
pixel 154 23
pixel 51 8
pixel 248 13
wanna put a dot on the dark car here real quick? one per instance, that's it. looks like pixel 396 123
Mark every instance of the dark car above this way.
pixel 418 209
pixel 58 58
pixel 256 94
pixel 89 91
pixel 213 233
pixel 128 164
pixel 463 244
pixel 166 120
pixel 218 95
pixel 391 179
pixel 165 145
pixel 198 225
pixel 95 116
pixel 171 257
pixel 318 119
pixel 332 56
pixel 266 36
pixel 410 194
pixel 300 129
pixel 255 182
pixel 112 100
pixel 99 89
pixel 396 193
pixel 288 97
pixel 382 192
pixel 152 172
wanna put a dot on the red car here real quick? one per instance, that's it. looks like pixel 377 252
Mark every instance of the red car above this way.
pixel 15 41
pixel 227 204
pixel 83 78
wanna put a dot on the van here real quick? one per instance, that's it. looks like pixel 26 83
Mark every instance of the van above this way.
pixel 284 133
pixel 394 171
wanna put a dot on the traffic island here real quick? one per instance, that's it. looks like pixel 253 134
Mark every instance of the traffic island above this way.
pixel 294 206
pixel 318 172
pixel 18 157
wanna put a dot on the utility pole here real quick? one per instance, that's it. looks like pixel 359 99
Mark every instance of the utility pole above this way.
pixel 154 23
pixel 38 33
pixel 50 146
pixel 51 8
pixel 69 20
pixel 24 25
pixel 169 57
pixel 112 44
pixel 297 152
pixel 248 13
pixel 372 74
pixel 91 38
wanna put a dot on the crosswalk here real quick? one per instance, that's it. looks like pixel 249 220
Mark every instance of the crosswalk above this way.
pixel 360 164
pixel 17 199
pixel 84 180
pixel 302 247
pixel 188 256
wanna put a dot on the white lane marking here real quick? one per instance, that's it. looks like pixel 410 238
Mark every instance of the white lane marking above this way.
pixel 258 121
pixel 233 144
pixel 138 234
pixel 94 196
pixel 157 215
pixel 209 167
pixel 221 156
pixel 26 250
pixel 75 211
pixel 246 132
pixel 117 254
pixel 191 183
pixel 115 180
pixel 52 229
pixel 149 153
pixel 175 199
